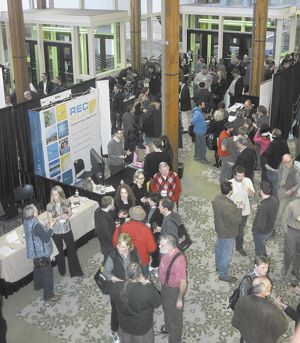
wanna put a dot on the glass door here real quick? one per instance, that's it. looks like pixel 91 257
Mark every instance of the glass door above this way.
pixel 205 43
pixel 32 62
pixel 58 61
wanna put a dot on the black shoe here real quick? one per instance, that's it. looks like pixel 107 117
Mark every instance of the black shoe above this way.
pixel 242 252
pixel 228 278
pixel 297 275
pixel 163 330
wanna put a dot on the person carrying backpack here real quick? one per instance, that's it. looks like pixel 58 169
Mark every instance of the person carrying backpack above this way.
pixel 261 268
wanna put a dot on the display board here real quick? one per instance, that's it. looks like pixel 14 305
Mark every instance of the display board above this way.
pixel 63 134
pixel 265 94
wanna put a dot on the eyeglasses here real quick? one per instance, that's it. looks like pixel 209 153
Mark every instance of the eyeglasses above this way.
pixel 141 178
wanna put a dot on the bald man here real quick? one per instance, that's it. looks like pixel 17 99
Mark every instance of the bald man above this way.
pixel 256 318
pixel 287 185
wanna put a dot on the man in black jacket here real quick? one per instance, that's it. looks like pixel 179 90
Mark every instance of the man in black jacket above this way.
pixel 257 319
pixel 116 107
pixel 246 157
pixel 185 105
pixel 264 221
pixel 273 155
pixel 105 225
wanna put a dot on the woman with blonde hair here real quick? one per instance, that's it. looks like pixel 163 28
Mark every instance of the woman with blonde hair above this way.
pixel 139 188
pixel 115 270
pixel 58 214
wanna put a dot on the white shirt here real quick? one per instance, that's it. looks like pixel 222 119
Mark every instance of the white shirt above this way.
pixel 240 193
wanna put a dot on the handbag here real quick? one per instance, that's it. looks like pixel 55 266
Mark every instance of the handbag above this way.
pixel 192 133
pixel 101 280
pixel 41 262
pixel 211 141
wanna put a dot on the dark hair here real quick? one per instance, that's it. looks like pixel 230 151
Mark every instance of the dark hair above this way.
pixel 131 196
pixel 167 203
pixel 266 187
pixel 115 130
pixel 201 84
pixel 155 197
pixel 133 273
pixel 227 126
pixel 226 187
pixel 261 259
pixel 157 143
pixel 238 169
pixel 262 109
pixel 221 105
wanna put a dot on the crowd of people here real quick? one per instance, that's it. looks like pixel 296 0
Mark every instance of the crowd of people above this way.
pixel 138 229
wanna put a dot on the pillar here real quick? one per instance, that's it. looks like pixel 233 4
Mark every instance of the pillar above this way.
pixel 149 29
pixel 278 41
pixel 18 46
pixel 184 32
pixel 41 4
pixel 220 37
pixel 123 44
pixel 171 73
pixel 91 57
pixel 293 31
pixel 40 44
pixel 75 52
pixel 259 43
pixel 135 33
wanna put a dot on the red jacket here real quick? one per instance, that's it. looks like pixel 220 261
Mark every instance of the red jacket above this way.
pixel 142 238
pixel 224 134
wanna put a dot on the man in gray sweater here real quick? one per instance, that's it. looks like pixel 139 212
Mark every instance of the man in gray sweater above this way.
pixel 227 218
pixel 116 152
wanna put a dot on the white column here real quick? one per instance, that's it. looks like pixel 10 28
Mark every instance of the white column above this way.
pixel 91 44
pixel 115 5
pixel 149 29
pixel 2 56
pixel 123 44
pixel 220 37
pixel 278 42
pixel 40 44
pixel 75 52
pixel 10 59
pixel 82 4
pixel 293 32
pixel 184 19
pixel 51 3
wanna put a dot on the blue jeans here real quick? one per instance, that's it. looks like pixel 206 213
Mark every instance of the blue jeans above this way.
pixel 273 178
pixel 43 279
pixel 223 253
pixel 200 147
pixel 239 241
pixel 260 241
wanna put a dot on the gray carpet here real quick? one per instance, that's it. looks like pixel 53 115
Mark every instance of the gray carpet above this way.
pixel 83 313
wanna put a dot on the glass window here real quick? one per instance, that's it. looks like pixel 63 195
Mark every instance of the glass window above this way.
pixel 25 4
pixel 66 4
pixel 30 31
pixel 99 4
pixel 156 6
pixel 3 6
pixel 144 7
pixel 57 33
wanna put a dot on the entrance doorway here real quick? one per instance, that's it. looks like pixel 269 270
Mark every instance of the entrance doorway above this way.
pixel 206 41
pixel 236 44
pixel 32 62
pixel 58 61
pixel 104 52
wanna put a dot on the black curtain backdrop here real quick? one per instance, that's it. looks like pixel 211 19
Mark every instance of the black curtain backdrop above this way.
pixel 286 90
pixel 15 139
pixel 9 176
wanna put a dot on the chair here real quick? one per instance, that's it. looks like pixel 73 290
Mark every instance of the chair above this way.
pixel 23 195
pixel 80 173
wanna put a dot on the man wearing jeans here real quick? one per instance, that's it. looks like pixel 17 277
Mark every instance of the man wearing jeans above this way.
pixel 200 129
pixel 227 218
pixel 242 189
pixel 264 221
